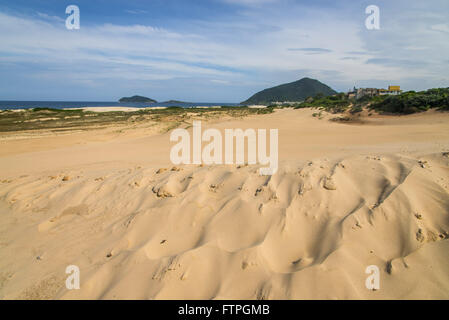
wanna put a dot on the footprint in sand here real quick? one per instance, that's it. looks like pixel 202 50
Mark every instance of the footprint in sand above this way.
pixel 80 210
pixel 214 187
pixel 161 193
pixel 329 184
pixel 161 170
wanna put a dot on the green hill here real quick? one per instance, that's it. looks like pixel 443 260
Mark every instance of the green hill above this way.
pixel 137 99
pixel 294 91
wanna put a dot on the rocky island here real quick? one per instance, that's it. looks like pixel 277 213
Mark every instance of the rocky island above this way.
pixel 138 99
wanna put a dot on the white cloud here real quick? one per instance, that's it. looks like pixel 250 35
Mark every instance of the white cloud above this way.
pixel 220 81
pixel 440 27
pixel 249 49
pixel 50 18
pixel 249 2
pixel 136 11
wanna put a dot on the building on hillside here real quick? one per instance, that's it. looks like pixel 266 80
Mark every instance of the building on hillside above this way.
pixel 371 92
pixel 392 90
pixel 361 92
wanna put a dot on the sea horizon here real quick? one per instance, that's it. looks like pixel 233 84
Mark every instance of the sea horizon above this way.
pixel 28 104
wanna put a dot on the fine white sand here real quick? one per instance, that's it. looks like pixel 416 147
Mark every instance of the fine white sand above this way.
pixel 345 196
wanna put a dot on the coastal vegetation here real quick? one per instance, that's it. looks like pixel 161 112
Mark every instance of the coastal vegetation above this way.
pixel 335 103
pixel 404 103
pixel 412 102
pixel 60 120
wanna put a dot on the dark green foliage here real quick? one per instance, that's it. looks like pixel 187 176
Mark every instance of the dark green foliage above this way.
pixel 411 101
pixel 52 110
pixel 336 103
pixel 294 91
pixel 356 108
pixel 405 103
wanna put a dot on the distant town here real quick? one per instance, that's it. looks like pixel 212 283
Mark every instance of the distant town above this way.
pixel 371 92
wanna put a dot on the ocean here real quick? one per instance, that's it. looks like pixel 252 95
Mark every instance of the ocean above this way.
pixel 10 105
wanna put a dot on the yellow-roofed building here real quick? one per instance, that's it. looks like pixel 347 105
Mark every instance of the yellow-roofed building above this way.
pixel 394 88
pixel 371 92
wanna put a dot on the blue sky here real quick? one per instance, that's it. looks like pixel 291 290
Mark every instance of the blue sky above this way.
pixel 216 50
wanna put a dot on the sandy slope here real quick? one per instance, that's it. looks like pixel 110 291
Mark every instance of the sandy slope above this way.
pixel 346 196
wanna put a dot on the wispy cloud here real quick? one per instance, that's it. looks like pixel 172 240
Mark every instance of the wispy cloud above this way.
pixel 357 52
pixel 440 27
pixel 398 62
pixel 49 17
pixel 249 2
pixel 220 81
pixel 136 11
pixel 311 50
pixel 245 49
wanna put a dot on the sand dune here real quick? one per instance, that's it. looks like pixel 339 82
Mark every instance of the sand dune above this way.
pixel 345 196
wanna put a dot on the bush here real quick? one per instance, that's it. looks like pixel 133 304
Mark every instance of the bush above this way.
pixel 405 103
pixel 412 102
pixel 335 103
pixel 356 108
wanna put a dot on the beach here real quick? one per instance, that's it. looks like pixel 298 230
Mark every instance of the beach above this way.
pixel 347 195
